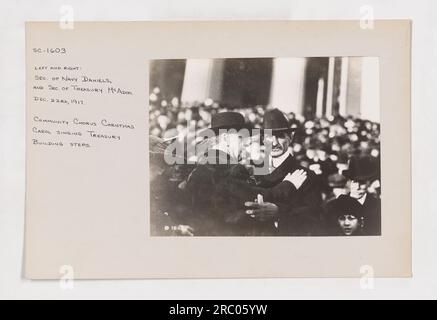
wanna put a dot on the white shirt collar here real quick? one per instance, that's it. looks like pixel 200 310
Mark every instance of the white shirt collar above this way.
pixel 276 162
pixel 362 199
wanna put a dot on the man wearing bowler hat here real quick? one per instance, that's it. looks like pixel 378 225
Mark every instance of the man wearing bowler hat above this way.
pixel 220 185
pixel 305 193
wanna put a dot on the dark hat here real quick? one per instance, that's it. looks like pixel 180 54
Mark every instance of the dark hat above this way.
pixel 362 168
pixel 343 205
pixel 228 120
pixel 276 121
pixel 336 180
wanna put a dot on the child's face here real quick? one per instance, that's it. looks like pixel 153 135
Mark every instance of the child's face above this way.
pixel 348 224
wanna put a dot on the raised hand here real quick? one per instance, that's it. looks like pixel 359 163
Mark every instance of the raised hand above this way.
pixel 297 178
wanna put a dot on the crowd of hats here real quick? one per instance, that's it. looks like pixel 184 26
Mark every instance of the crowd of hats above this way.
pixel 322 144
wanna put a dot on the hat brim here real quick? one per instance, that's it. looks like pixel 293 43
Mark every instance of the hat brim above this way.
pixel 216 130
pixel 279 130
pixel 348 175
pixel 338 207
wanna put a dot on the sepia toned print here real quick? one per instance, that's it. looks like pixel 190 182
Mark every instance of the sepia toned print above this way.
pixel 106 208
pixel 265 147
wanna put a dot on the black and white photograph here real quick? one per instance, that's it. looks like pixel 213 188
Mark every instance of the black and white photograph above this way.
pixel 216 156
pixel 276 146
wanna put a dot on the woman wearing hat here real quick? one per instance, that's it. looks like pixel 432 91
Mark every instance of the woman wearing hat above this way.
pixel 362 172
pixel 345 217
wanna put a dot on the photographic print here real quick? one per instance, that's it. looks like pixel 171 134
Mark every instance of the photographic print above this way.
pixel 279 146
pixel 235 149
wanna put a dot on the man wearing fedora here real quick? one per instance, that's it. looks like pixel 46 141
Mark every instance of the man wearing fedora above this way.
pixel 362 171
pixel 305 192
pixel 219 186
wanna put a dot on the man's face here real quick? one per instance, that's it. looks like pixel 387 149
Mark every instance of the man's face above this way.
pixel 348 224
pixel 235 144
pixel 280 143
pixel 359 188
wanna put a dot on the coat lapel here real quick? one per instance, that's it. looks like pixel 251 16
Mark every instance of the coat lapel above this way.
pixel 277 175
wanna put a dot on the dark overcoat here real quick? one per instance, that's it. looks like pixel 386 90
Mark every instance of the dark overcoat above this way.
pixel 218 193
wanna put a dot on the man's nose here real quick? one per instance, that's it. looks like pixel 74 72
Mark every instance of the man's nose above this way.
pixel 274 141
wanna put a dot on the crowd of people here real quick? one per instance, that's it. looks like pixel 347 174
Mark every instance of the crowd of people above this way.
pixel 322 146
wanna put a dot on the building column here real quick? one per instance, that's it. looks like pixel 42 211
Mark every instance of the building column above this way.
pixel 319 101
pixel 370 109
pixel 342 99
pixel 330 87
pixel 287 89
pixel 202 80
pixel 353 96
